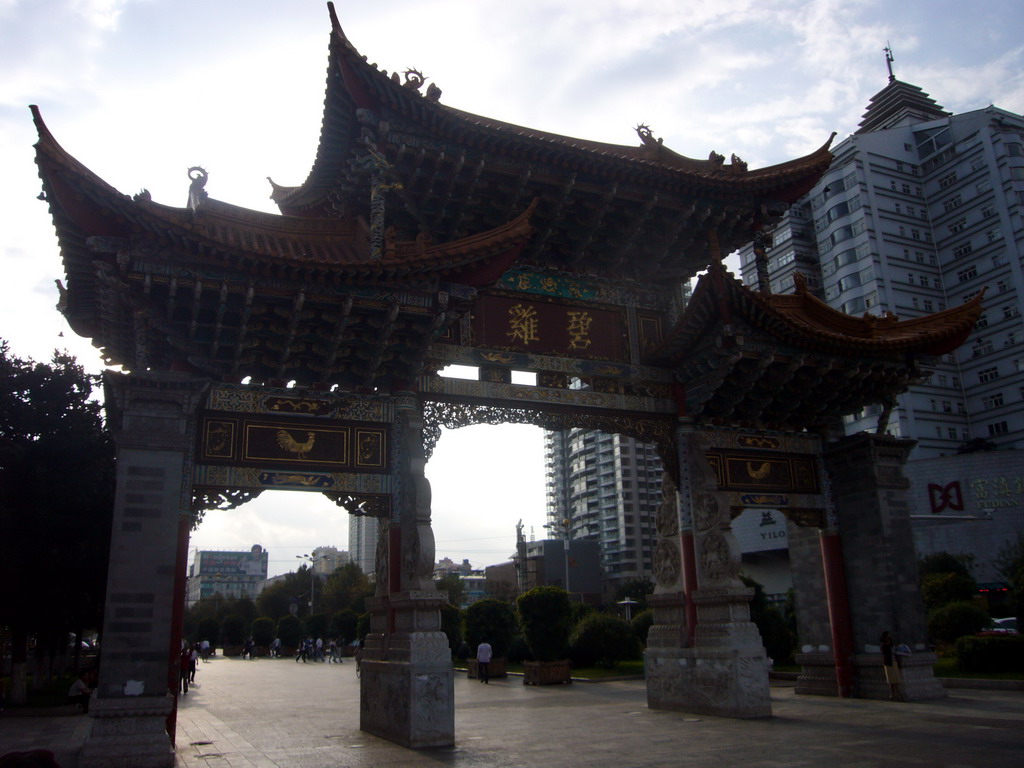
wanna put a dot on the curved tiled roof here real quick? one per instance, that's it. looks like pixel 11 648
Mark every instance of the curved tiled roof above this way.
pixel 338 246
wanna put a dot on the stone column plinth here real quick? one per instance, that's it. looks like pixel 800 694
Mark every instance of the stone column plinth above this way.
pixel 406 688
pixel 128 732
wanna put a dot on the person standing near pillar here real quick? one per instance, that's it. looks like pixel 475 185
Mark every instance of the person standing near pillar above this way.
pixel 483 661
pixel 891 668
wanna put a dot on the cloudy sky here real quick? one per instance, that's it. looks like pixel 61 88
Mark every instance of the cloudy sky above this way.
pixel 140 90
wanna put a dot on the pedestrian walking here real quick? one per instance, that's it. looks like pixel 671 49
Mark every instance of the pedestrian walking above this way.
pixel 483 661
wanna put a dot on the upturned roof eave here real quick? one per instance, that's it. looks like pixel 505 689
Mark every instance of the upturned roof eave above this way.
pixel 366 87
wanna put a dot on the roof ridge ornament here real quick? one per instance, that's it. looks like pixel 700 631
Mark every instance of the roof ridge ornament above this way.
pixel 196 192
pixel 414 80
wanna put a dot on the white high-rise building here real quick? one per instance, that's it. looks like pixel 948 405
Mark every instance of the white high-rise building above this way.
pixel 326 560
pixel 608 488
pixel 362 542
pixel 919 211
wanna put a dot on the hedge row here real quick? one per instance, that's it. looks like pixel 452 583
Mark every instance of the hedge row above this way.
pixel 990 653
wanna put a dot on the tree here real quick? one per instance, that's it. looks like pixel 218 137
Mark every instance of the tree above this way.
pixel 346 588
pixel 1009 564
pixel 454 586
pixel 603 639
pixel 56 501
pixel 277 599
pixel 777 639
pixel 945 562
pixel 545 614
pixel 490 620
pixel 635 589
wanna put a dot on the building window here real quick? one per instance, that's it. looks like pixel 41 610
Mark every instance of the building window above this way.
pixel 981 347
pixel 982 322
pixel 945 181
pixel 957 226
pixel 916 234
pixel 993 401
pixel 952 202
pixel 923 280
pixel 951 431
pixel 994 234
pixel 928 306
pixel 988 374
pixel 967 274
pixel 1010 311
pixel 962 250
pixel 999 428
pixel 905 188
pixel 1013 149
pixel 947 406
pixel 988 212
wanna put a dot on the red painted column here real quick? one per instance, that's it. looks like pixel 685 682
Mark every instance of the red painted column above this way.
pixel 177 620
pixel 838 610
pixel 689 583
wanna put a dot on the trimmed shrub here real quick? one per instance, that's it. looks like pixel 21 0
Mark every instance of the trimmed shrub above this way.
pixel 209 629
pixel 955 620
pixel 939 589
pixel 343 625
pixel 491 620
pixel 289 629
pixel 642 624
pixel 263 631
pixel 451 625
pixel 990 653
pixel 234 628
pixel 519 651
pixel 603 640
pixel 545 614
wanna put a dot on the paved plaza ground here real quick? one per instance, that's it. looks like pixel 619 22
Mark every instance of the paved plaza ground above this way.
pixel 264 713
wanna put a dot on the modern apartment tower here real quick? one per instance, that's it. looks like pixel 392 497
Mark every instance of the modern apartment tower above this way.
pixel 362 542
pixel 608 488
pixel 919 211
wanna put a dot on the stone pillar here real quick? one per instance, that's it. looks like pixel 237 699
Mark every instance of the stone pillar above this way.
pixel 725 671
pixel 873 521
pixel 407 686
pixel 152 417
pixel 817 662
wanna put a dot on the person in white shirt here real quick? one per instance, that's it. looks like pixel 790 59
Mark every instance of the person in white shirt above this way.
pixel 483 661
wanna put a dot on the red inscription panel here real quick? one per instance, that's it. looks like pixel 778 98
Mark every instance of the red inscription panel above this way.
pixel 548 328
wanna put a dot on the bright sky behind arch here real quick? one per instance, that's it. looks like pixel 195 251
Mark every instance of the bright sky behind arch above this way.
pixel 140 90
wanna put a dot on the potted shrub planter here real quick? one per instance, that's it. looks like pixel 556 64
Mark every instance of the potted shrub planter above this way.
pixel 494 621
pixel 545 615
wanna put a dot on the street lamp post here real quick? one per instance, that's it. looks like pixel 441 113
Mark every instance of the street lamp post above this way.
pixel 312 576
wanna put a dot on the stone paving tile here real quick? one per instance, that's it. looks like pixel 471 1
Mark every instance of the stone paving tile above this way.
pixel 278 714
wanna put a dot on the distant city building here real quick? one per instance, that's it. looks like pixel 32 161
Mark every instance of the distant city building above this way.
pixel 229 573
pixel 608 488
pixel 326 560
pixel 362 542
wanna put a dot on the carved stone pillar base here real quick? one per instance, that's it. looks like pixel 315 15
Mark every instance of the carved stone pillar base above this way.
pixel 407 687
pixel 725 673
pixel 669 628
pixel 129 733
pixel 917 671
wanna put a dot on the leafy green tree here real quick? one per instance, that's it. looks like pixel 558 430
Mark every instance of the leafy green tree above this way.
pixel 490 620
pixel 603 640
pixel 956 620
pixel 234 629
pixel 777 639
pixel 945 562
pixel 635 589
pixel 263 631
pixel 1009 564
pixel 346 588
pixel 289 629
pixel 343 625
pixel 277 599
pixel 451 625
pixel 56 501
pixel 939 589
pixel 454 586
pixel 316 625
pixel 545 614
pixel 209 629
pixel 642 624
